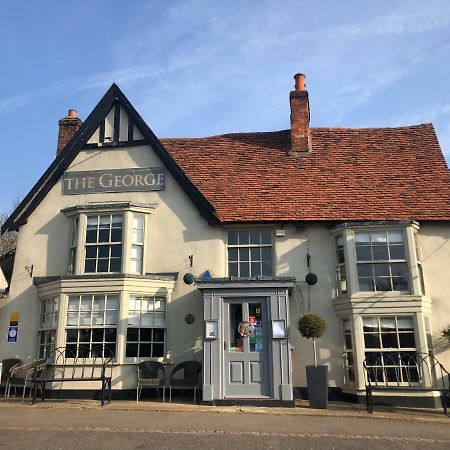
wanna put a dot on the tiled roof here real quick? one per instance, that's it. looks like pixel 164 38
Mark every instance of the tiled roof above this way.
pixel 351 174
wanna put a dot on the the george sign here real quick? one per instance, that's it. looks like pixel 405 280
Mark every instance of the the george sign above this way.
pixel 12 334
pixel 115 180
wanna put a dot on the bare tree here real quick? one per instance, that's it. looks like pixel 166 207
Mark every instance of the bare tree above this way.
pixel 8 240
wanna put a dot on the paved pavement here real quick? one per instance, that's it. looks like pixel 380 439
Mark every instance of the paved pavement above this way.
pixel 123 425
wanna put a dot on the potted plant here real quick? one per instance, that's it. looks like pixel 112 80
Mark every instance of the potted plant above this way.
pixel 313 327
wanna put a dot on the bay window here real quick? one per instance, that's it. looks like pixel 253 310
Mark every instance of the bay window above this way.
pixel 107 238
pixel 377 258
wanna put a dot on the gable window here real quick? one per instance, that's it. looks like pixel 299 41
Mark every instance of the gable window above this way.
pixel 381 261
pixel 103 248
pixel 146 326
pixel 92 325
pixel 249 253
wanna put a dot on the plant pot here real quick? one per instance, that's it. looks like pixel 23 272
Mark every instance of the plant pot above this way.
pixel 317 380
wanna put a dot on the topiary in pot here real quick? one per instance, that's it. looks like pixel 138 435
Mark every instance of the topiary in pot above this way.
pixel 312 327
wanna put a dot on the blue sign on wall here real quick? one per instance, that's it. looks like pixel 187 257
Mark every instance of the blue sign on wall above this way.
pixel 12 334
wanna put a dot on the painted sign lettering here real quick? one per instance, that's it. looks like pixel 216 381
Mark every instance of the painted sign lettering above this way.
pixel 115 180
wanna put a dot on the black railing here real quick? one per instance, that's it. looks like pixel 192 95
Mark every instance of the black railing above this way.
pixel 397 370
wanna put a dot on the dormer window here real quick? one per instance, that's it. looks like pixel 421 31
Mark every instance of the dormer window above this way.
pixel 108 238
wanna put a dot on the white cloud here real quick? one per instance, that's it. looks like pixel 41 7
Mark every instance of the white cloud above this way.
pixel 12 103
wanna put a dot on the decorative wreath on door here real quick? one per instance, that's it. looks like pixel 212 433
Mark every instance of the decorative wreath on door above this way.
pixel 246 328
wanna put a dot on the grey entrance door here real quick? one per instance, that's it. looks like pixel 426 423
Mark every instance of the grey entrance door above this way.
pixel 246 356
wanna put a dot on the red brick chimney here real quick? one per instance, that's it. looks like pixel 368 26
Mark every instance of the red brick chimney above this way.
pixel 68 126
pixel 300 135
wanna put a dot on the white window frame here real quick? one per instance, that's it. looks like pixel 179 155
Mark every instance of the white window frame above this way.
pixel 249 246
pixel 348 230
pixel 347 332
pixel 91 325
pixel 81 214
pixel 391 350
pixel 48 306
pixel 154 314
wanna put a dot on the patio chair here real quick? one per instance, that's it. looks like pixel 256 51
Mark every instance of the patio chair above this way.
pixel 7 365
pixel 189 378
pixel 150 375
pixel 21 375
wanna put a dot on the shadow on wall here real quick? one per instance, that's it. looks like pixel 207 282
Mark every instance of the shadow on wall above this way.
pixel 26 348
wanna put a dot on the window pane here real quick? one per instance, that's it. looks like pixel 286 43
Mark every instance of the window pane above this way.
pixel 160 304
pixel 362 237
pixel 244 237
pixel 104 221
pixel 395 236
pixel 158 335
pixel 266 237
pixel 84 335
pixel 86 303
pixel 255 253
pixel 267 268
pixel 266 253
pixel 378 236
pixel 389 340
pixel 91 251
pixel 132 334
pixel 365 270
pixel 397 251
pixel 132 350
pixel 407 340
pixel 138 221
pixel 158 350
pixel 72 319
pixel 244 270
pixel 89 266
pixel 85 318
pixel 380 252
pixel 244 254
pixel 400 284
pixel 103 251
pixel 233 270
pixel 138 236
pixel 372 340
pixel 159 319
pixel 363 253
pixel 147 320
pixel 110 318
pixel 370 324
pixel 232 238
pixel 381 270
pixel 136 251
pixel 73 303
pixel 383 284
pixel 134 318
pixel 116 235
pixel 103 235
pixel 232 254
pixel 115 265
pixel 145 334
pixel 255 237
pixel 97 318
pixel 255 269
pixel 102 265
pixel 366 284
pixel 405 324
pixel 71 335
pixel 97 335
pixel 398 269
pixel 116 221
pixel 387 324
pixel 145 350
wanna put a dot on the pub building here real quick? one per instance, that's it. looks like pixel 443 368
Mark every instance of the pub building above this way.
pixel 198 249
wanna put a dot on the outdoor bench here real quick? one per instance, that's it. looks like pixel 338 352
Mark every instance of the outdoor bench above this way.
pixel 405 372
pixel 65 365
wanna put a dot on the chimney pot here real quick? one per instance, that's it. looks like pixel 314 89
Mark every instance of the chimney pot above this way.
pixel 68 126
pixel 300 133
pixel 300 82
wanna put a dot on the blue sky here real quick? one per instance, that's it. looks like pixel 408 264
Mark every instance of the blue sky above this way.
pixel 197 67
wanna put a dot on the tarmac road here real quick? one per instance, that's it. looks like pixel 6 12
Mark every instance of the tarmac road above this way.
pixel 23 426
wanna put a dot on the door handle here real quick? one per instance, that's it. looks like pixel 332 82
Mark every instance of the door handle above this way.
pixel 225 345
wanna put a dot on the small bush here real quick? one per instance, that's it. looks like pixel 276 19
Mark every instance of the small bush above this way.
pixel 311 326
